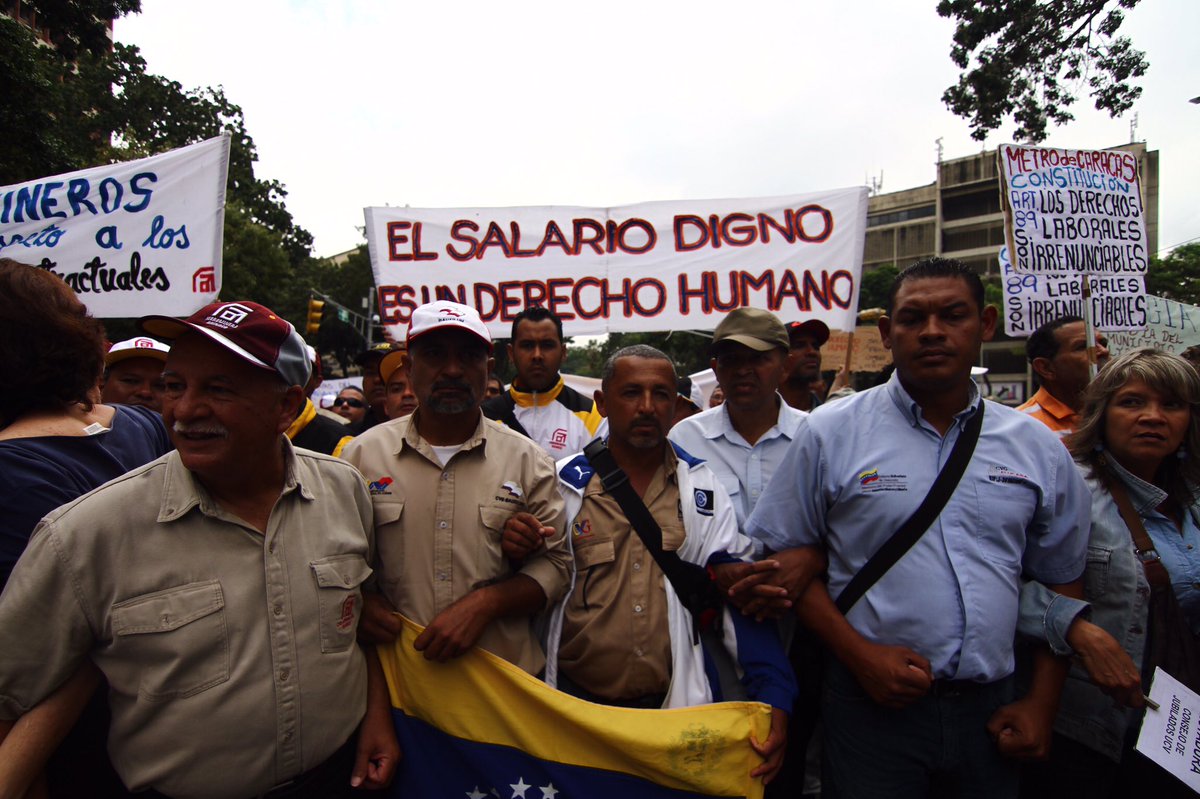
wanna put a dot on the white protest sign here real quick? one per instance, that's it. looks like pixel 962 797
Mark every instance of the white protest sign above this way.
pixel 135 238
pixel 646 267
pixel 1171 326
pixel 1077 211
pixel 1119 302
pixel 1169 734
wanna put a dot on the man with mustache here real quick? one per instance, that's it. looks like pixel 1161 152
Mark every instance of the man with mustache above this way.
pixel 919 696
pixel 217 588
pixel 622 636
pixel 444 481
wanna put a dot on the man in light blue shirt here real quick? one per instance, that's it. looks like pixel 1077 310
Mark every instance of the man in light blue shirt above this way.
pixel 919 695
pixel 744 439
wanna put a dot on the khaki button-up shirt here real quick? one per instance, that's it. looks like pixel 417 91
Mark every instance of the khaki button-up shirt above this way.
pixel 438 528
pixel 615 641
pixel 230 655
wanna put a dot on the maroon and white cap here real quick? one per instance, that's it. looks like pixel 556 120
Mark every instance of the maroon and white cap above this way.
pixel 251 331
pixel 446 315
pixel 139 347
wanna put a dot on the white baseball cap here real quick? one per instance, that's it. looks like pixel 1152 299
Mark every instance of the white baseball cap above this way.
pixel 139 347
pixel 446 315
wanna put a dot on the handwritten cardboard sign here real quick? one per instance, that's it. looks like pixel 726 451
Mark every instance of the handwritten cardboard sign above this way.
pixel 1169 735
pixel 1171 326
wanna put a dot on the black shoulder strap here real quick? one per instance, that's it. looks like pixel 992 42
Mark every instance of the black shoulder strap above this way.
pixel 504 408
pixel 915 526
pixel 690 581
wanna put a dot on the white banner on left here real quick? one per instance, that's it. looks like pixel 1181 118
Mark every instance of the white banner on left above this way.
pixel 135 238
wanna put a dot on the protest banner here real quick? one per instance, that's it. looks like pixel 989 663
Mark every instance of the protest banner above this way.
pixel 1073 211
pixel 1171 326
pixel 866 355
pixel 478 726
pixel 1169 734
pixel 1031 300
pixel 134 238
pixel 635 268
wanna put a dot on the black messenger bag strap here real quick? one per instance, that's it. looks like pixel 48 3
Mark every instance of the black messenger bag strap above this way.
pixel 921 519
pixel 690 581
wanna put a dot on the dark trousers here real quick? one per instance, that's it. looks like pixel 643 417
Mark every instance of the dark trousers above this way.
pixel 937 746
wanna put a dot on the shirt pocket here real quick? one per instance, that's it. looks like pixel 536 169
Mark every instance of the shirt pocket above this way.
pixel 672 537
pixel 389 548
pixel 491 560
pixel 1005 512
pixel 1095 576
pixel 591 557
pixel 178 639
pixel 339 598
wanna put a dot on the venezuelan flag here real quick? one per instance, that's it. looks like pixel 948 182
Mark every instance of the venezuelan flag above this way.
pixel 479 727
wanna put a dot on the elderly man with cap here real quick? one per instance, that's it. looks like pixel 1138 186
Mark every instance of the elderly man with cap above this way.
pixel 133 373
pixel 806 339
pixel 217 588
pixel 444 482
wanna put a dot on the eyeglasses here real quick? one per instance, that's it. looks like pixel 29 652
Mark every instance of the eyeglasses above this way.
pixel 353 403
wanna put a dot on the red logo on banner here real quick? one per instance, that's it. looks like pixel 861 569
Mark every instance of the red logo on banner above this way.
pixel 204 281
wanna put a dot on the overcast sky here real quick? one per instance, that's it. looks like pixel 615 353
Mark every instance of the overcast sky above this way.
pixel 353 104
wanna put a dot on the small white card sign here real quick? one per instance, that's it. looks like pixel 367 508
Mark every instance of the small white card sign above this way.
pixel 1170 736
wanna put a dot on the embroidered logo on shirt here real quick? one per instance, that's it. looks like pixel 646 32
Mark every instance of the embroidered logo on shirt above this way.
pixel 1003 474
pixel 704 501
pixel 558 439
pixel 871 481
pixel 511 493
pixel 582 528
pixel 347 619
pixel 381 485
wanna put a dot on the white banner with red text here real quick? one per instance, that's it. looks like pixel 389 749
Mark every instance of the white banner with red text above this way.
pixel 653 266
pixel 133 238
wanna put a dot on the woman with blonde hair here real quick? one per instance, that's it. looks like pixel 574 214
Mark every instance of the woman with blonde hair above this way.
pixel 1136 446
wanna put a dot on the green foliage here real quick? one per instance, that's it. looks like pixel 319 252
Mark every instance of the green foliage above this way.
pixel 1176 277
pixel 85 105
pixel 1031 58
pixel 875 286
pixel 78 27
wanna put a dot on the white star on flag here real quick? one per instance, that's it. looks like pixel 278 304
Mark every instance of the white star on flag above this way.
pixel 520 788
pixel 548 791
pixel 475 793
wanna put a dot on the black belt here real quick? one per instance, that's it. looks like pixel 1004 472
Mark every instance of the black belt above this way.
pixel 313 784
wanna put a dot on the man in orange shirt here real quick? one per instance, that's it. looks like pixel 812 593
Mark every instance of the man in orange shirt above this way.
pixel 1057 351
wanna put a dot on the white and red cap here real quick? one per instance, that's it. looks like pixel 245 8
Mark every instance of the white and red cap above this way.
pixel 253 332
pixel 446 315
pixel 139 347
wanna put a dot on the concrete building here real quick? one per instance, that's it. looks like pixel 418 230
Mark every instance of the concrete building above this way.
pixel 959 216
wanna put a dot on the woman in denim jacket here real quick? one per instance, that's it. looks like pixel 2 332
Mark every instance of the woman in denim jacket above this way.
pixel 1140 430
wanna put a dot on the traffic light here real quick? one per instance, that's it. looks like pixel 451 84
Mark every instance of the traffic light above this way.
pixel 315 309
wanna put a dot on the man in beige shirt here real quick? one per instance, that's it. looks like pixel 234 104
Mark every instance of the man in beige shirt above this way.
pixel 217 588
pixel 622 636
pixel 444 481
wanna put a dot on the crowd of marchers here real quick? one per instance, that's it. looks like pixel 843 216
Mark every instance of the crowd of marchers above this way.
pixel 934 593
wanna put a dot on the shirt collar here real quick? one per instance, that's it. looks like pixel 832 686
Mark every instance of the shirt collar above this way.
pixel 670 472
pixel 912 411
pixel 536 398
pixel 413 440
pixel 1052 405
pixel 182 491
pixel 1144 496
pixel 715 422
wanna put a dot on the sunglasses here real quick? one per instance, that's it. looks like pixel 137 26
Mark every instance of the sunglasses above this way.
pixel 353 403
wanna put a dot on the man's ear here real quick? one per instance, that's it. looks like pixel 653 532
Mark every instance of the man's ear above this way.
pixel 509 349
pixel 1043 368
pixel 990 315
pixel 290 403
pixel 885 331
pixel 598 398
